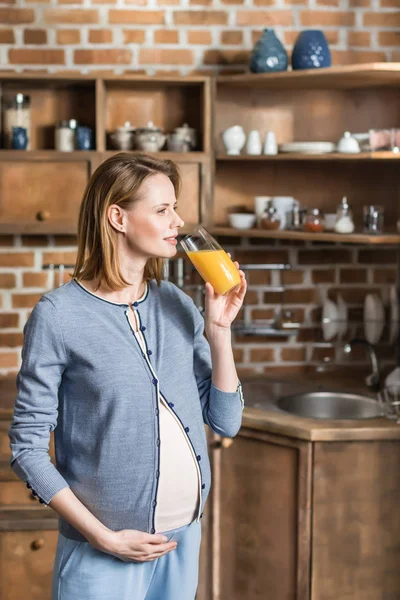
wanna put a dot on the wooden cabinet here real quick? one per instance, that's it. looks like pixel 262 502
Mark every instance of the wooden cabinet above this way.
pixel 299 520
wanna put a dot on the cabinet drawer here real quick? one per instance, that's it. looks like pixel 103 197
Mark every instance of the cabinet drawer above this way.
pixel 26 564
pixel 16 494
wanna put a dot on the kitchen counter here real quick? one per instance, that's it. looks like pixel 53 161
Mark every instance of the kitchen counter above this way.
pixel 262 413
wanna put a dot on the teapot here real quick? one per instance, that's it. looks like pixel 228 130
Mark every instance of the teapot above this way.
pixel 150 138
pixel 123 137
pixel 186 134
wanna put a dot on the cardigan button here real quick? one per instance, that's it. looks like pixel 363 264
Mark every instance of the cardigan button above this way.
pixel 187 429
pixel 155 381
pixel 143 328
pixel 201 516
pixel 153 530
pixel 158 442
pixel 28 486
pixel 135 304
pixel 149 352
pixel 203 486
pixel 154 503
pixel 157 474
pixel 171 404
pixel 198 457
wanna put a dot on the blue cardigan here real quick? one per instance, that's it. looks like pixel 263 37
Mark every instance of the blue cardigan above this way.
pixel 84 375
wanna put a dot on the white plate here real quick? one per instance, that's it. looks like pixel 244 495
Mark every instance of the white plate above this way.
pixel 394 314
pixel 343 315
pixel 308 147
pixel 330 320
pixel 374 318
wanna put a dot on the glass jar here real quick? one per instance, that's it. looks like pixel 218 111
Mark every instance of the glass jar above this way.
pixel 17 113
pixel 344 218
pixel 314 220
pixel 65 133
pixel 373 219
pixel 270 218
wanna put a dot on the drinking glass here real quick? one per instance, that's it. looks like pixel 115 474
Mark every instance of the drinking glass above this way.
pixel 211 261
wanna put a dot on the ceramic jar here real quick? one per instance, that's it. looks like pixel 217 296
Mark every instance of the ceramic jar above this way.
pixel 234 139
pixel 123 138
pixel 268 54
pixel 348 144
pixel 311 50
pixel 253 145
pixel 150 138
pixel 186 134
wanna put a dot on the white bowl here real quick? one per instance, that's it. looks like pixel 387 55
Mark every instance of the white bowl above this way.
pixel 242 220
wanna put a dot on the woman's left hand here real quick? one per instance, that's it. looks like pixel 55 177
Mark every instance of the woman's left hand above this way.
pixel 220 310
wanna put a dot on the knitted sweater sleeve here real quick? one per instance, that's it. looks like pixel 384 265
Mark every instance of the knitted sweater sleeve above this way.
pixel 36 404
pixel 222 411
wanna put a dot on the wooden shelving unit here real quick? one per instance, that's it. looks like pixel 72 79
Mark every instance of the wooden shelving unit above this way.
pixel 310 105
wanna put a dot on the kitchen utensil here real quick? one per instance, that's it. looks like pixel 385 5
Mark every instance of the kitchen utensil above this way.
pixel 150 138
pixel 374 318
pixel 342 316
pixel 242 220
pixel 308 147
pixel 330 318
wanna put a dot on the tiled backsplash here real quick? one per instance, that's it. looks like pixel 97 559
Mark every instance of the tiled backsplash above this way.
pixel 319 270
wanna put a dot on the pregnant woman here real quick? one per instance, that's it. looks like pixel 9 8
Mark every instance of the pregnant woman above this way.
pixel 116 363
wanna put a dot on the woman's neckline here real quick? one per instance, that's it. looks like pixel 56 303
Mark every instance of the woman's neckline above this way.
pixel 141 299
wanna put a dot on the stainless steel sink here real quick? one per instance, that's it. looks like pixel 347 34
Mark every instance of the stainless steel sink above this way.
pixel 330 405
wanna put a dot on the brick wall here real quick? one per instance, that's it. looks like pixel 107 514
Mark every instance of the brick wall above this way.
pixel 184 35
pixel 318 270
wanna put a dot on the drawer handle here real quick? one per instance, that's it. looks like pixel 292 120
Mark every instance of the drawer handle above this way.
pixel 42 215
pixel 37 544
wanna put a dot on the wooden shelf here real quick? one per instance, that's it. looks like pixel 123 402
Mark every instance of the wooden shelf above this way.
pixel 347 76
pixel 57 228
pixel 354 238
pixel 366 156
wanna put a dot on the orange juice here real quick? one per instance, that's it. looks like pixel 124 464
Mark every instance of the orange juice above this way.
pixel 216 267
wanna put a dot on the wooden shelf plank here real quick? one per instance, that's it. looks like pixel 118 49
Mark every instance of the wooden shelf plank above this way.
pixel 334 156
pixel 54 155
pixel 354 238
pixel 343 76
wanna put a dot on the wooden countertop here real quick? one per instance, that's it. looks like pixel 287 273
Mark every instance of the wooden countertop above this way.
pixel 263 391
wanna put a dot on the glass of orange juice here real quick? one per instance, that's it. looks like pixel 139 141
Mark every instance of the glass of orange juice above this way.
pixel 211 260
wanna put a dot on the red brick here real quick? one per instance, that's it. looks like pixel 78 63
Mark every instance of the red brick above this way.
pixel 201 17
pixel 11 340
pixel 382 19
pixel 59 257
pixel 68 36
pixel 16 16
pixel 359 3
pixel 35 36
pixel 35 279
pixel 320 354
pixel 232 2
pixel 36 57
pixel 200 2
pixel 323 276
pixel 351 295
pixel 351 57
pixel 264 2
pixel 384 276
pixel 389 38
pixel 100 57
pixel 8 320
pixel 359 38
pixel 25 300
pixel 226 57
pixel 136 17
pixel 353 276
pixel 16 259
pixel 327 18
pixel 7 36
pixel 166 36
pixel 252 256
pixel 328 3
pixel 267 18
pixel 327 256
pixel 199 37
pixel 79 16
pixel 262 313
pixel 134 36
pixel 390 3
pixel 300 296
pixel 6 240
pixel 231 38
pixel 7 280
pixel 100 36
pixel 293 354
pixel 238 354
pixel 262 355
pixel 258 277
pixel 9 359
pixel 148 56
pixel 377 256
pixel 292 277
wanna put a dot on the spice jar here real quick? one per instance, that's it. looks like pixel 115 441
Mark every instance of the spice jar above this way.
pixel 314 220
pixel 270 218
pixel 344 218
pixel 65 132
pixel 17 114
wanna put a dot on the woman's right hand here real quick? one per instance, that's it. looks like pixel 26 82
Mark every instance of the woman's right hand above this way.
pixel 131 545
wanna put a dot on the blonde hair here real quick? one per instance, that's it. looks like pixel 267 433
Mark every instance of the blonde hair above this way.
pixel 116 181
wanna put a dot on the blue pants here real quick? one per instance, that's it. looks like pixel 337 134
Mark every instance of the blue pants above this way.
pixel 81 571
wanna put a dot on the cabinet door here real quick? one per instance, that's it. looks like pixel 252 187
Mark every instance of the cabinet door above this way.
pixel 26 564
pixel 261 518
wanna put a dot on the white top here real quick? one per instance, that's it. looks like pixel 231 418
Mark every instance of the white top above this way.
pixel 179 493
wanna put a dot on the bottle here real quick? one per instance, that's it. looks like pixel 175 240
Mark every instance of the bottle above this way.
pixel 344 217
pixel 65 133
pixel 17 114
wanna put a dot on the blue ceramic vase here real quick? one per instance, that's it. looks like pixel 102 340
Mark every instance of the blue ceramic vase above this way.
pixel 84 138
pixel 268 54
pixel 19 140
pixel 311 50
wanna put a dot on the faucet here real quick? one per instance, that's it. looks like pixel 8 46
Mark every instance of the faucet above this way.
pixel 373 380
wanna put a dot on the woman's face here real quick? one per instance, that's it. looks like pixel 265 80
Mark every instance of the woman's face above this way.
pixel 153 219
